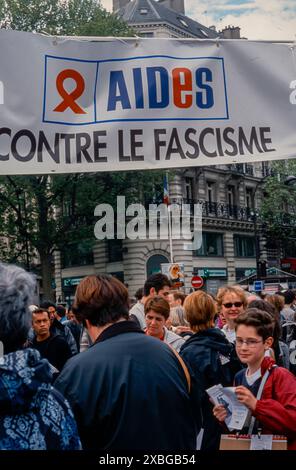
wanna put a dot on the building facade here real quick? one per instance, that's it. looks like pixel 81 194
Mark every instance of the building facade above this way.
pixel 230 196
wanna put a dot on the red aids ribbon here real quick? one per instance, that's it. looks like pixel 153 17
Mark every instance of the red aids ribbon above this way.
pixel 69 99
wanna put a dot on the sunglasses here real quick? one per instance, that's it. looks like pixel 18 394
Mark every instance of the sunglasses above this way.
pixel 234 304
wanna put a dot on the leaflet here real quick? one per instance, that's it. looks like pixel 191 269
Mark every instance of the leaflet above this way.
pixel 237 413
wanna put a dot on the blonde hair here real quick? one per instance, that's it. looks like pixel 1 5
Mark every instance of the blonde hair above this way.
pixel 200 311
pixel 231 290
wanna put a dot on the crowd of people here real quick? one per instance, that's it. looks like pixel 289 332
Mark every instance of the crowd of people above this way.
pixel 107 376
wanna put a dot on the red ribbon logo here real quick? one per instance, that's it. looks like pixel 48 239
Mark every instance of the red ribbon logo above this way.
pixel 69 99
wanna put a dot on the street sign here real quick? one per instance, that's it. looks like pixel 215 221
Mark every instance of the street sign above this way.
pixel 197 282
pixel 175 273
pixel 258 286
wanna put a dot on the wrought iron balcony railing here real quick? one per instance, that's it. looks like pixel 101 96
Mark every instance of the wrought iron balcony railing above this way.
pixel 219 210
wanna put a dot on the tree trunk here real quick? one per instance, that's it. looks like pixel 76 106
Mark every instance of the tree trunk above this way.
pixel 46 274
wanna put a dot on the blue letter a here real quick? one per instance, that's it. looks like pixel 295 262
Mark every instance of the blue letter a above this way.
pixel 117 80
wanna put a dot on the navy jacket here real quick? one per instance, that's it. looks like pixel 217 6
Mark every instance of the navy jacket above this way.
pixel 129 392
pixel 212 360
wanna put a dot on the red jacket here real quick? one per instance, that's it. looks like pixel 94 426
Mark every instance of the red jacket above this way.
pixel 276 410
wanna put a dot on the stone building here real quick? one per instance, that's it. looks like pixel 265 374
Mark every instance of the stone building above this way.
pixel 229 195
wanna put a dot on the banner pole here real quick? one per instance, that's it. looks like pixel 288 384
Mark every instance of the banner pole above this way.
pixel 169 215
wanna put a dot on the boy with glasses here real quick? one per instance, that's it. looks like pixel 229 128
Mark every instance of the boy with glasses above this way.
pixel 275 411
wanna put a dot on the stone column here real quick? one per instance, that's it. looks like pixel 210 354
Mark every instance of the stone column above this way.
pixel 58 274
pixel 100 256
pixel 229 256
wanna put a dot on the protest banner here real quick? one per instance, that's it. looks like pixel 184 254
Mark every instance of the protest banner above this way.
pixel 108 104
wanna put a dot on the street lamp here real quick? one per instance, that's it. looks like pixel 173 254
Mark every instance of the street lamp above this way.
pixel 254 214
pixel 260 264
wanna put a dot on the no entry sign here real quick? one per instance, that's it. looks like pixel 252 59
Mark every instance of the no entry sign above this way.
pixel 197 282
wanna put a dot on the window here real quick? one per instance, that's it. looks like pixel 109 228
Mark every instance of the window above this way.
pixel 203 33
pixel 244 246
pixel 266 170
pixel 230 195
pixel 231 201
pixel 148 34
pixel 119 275
pixel 212 245
pixel 210 192
pixel 143 11
pixel 153 265
pixel 211 197
pixel 114 250
pixel 249 198
pixel 188 189
pixel 78 254
pixel 183 22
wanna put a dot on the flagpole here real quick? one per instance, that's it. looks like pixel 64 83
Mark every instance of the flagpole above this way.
pixel 167 202
pixel 170 235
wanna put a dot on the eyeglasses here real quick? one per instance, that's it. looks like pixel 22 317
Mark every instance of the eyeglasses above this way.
pixel 251 343
pixel 235 304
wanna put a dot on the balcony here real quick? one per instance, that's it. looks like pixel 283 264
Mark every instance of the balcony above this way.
pixel 220 210
pixel 242 169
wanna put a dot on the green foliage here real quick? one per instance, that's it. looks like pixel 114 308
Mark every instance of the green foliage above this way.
pixel 71 17
pixel 278 209
pixel 39 214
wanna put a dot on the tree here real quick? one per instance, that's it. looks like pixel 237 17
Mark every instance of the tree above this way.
pixel 278 209
pixel 40 214
pixel 71 17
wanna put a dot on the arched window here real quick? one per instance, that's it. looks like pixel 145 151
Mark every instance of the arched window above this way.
pixel 153 264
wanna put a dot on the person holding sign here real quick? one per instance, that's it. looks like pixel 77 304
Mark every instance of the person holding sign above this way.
pixel 268 391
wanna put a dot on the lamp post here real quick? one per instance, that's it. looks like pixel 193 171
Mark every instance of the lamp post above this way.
pixel 254 215
pixel 260 265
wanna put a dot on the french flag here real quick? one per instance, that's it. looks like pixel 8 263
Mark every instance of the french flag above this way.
pixel 166 198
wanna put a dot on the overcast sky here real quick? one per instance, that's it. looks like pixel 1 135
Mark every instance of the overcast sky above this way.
pixel 258 19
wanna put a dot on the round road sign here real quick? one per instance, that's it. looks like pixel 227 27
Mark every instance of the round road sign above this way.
pixel 197 282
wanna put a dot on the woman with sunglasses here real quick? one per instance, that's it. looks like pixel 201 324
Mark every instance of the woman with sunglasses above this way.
pixel 232 301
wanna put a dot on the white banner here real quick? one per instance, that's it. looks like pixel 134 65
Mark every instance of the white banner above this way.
pixel 77 105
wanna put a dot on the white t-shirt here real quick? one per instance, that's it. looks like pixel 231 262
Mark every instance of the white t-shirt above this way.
pixel 251 378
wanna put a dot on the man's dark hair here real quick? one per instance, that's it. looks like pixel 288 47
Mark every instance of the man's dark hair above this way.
pixel 61 311
pixel 260 320
pixel 101 300
pixel 158 281
pixel 139 293
pixel 40 310
pixel 178 295
pixel 264 306
pixel 46 304
pixel 289 297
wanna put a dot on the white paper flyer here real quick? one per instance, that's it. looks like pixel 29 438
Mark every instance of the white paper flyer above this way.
pixel 237 413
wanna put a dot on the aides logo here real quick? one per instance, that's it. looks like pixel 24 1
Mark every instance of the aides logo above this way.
pixel 69 91
pixel 69 99
pixel 156 88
